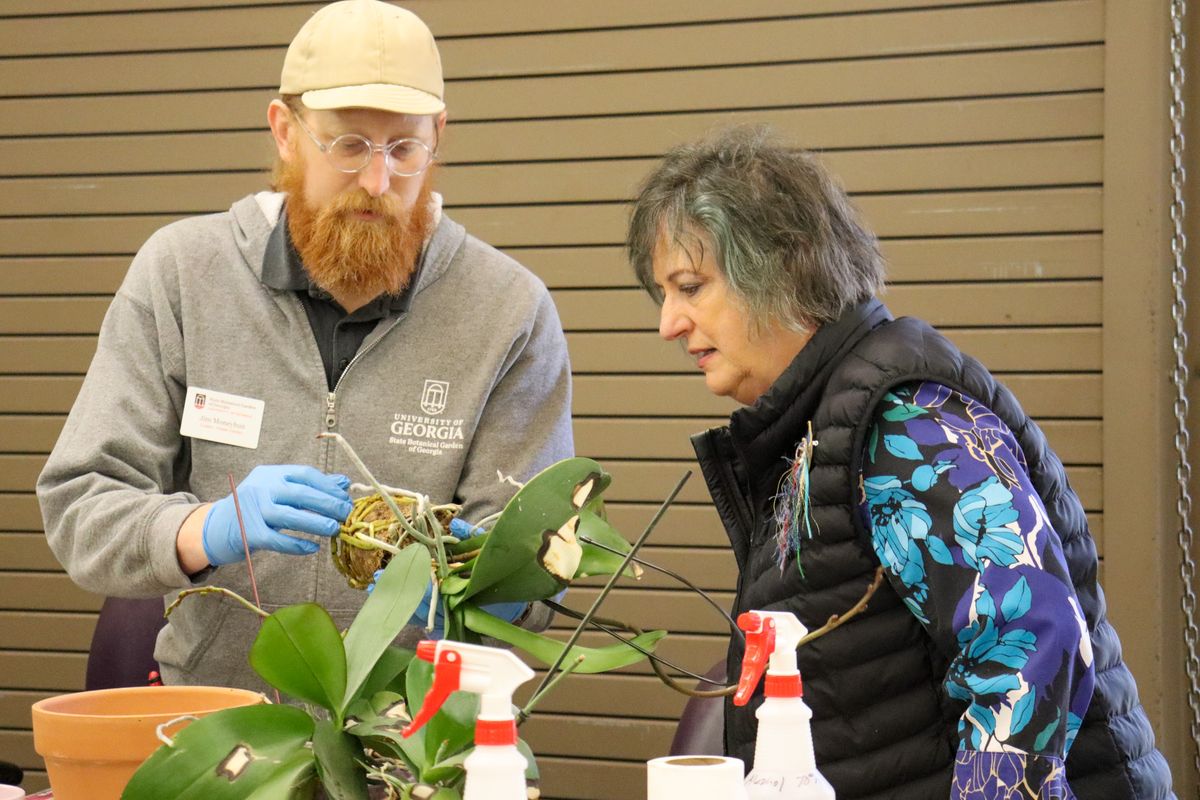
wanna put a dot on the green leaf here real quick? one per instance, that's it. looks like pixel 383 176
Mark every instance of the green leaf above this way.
pixel 294 780
pixel 392 662
pixel 388 608
pixel 530 581
pixel 383 733
pixel 593 524
pixel 253 744
pixel 338 755
pixel 299 651
pixel 546 650
pixel 453 584
pixel 510 553
pixel 417 680
pixel 531 771
pixel 447 772
pixel 384 704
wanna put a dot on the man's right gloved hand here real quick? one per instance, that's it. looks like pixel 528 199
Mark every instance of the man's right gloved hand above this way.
pixel 273 498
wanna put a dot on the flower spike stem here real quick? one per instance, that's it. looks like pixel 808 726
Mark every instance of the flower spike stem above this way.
pixel 657 662
pixel 232 595
pixel 837 620
pixel 705 596
pixel 612 580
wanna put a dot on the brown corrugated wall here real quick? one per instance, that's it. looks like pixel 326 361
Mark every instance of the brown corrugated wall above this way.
pixel 975 136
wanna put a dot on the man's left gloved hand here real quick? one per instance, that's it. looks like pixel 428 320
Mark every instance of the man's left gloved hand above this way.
pixel 275 498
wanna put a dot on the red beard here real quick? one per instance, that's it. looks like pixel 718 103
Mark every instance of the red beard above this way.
pixel 349 256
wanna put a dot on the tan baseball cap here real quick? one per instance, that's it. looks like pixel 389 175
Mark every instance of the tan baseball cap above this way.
pixel 365 54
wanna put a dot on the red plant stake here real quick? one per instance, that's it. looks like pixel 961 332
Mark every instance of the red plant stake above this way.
pixel 246 547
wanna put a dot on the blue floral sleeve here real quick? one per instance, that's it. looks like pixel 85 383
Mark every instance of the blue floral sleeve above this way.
pixel 956 522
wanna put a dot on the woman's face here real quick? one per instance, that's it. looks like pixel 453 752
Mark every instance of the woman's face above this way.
pixel 738 359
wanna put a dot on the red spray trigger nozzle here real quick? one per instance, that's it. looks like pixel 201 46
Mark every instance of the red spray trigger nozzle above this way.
pixel 760 643
pixel 447 678
pixel 427 650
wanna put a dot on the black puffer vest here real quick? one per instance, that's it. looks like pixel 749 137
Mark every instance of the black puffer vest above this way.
pixel 882 725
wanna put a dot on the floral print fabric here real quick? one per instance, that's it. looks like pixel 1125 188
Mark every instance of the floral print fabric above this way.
pixel 954 519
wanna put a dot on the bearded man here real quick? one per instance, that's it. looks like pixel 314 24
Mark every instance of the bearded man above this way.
pixel 347 302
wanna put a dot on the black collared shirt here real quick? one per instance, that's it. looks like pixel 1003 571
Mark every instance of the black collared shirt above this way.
pixel 338 334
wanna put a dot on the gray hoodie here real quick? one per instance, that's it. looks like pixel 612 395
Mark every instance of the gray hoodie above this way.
pixel 192 311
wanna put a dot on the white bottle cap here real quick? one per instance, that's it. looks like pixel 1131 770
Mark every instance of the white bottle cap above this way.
pixel 695 778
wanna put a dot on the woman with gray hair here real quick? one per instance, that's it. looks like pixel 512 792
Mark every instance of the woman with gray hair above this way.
pixel 865 442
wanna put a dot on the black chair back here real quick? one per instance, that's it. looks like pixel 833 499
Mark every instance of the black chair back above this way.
pixel 122 652
pixel 701 729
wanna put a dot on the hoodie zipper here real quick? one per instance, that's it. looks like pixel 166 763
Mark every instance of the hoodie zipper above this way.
pixel 331 409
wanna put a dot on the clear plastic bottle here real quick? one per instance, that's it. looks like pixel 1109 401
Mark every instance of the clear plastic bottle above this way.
pixel 785 767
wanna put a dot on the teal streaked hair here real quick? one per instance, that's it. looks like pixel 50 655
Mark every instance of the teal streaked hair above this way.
pixel 785 236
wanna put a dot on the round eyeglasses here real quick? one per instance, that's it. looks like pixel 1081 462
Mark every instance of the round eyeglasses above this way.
pixel 353 153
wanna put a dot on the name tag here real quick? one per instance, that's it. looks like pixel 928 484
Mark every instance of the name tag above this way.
pixel 221 417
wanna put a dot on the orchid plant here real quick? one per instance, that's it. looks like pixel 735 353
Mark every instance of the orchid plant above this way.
pixel 358 690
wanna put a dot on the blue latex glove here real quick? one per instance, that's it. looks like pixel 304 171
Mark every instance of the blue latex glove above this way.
pixel 461 530
pixel 274 498
pixel 420 617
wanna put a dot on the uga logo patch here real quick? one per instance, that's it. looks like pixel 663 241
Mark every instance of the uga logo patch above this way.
pixel 433 397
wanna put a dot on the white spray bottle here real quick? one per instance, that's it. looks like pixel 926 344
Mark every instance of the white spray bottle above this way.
pixel 495 768
pixel 784 765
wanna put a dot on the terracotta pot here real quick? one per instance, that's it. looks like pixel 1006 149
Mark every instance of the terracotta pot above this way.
pixel 93 742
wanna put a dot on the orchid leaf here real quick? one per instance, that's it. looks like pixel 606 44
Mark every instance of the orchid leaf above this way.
pixel 449 770
pixel 299 651
pixel 385 704
pixel 523 540
pixel 531 767
pixel 453 584
pixel 337 754
pixel 392 662
pixel 529 582
pixel 547 650
pixel 226 755
pixel 386 611
pixel 379 726
pixel 293 780
pixel 593 525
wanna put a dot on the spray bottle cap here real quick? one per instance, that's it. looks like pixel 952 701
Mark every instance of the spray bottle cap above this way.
pixel 771 636
pixel 490 672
